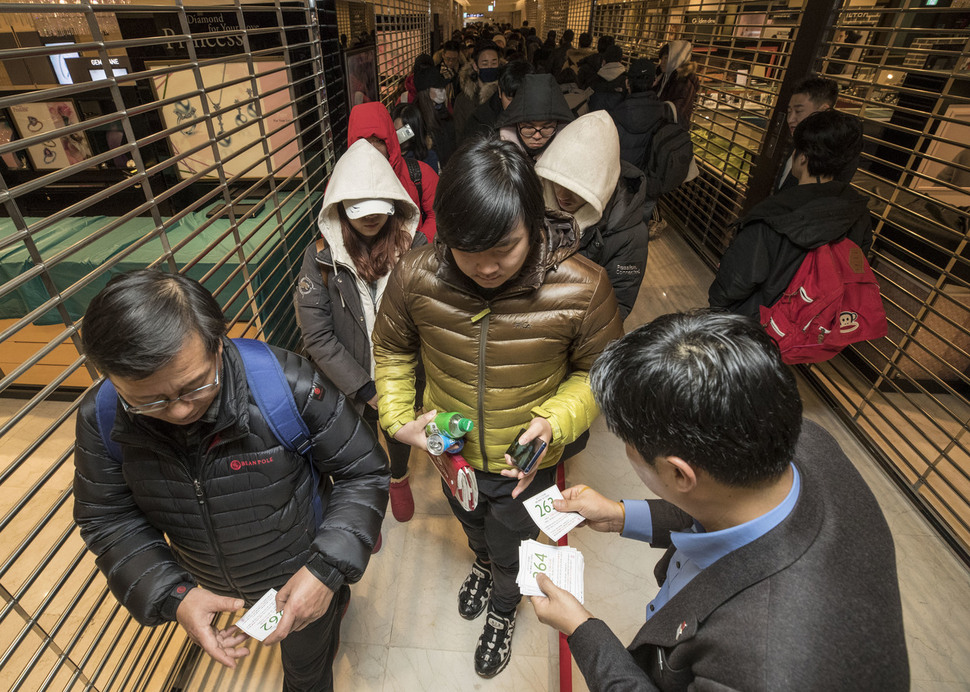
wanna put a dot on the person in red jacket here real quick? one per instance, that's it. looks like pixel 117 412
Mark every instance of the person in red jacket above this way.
pixel 372 122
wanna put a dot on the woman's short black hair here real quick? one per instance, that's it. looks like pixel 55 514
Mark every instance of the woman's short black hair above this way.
pixel 707 387
pixel 487 188
pixel 830 140
pixel 138 323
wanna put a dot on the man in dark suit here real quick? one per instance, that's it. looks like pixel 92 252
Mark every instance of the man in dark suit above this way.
pixel 780 572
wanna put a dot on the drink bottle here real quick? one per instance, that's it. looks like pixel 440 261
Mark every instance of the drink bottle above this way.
pixel 452 424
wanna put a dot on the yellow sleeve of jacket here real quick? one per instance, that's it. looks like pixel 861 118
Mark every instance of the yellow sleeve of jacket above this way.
pixel 572 409
pixel 396 347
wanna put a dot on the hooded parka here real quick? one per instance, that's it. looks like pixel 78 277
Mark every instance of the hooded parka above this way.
pixel 335 306
pixel 678 83
pixel 372 119
pixel 773 239
pixel 585 159
pixel 538 99
pixel 524 353
pixel 473 93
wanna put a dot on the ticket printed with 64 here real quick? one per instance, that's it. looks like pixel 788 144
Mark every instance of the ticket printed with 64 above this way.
pixel 562 564
pixel 261 620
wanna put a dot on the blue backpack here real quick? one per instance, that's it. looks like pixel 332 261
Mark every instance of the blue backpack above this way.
pixel 273 397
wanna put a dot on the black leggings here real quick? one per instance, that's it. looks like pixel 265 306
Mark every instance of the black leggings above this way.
pixel 397 452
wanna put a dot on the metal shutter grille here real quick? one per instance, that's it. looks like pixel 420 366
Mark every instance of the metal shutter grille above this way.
pixel 403 33
pixel 904 71
pixel 138 199
pixel 554 17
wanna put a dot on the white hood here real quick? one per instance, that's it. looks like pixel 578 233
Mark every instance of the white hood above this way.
pixel 585 159
pixel 678 54
pixel 362 173
pixel 611 71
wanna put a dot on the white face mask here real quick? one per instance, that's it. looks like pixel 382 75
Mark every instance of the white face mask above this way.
pixel 438 95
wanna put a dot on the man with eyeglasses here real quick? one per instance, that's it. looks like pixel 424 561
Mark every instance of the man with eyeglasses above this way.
pixel 538 111
pixel 205 510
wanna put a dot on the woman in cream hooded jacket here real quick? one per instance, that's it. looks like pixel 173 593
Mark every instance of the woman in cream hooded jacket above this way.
pixel 336 308
pixel 677 81
pixel 584 158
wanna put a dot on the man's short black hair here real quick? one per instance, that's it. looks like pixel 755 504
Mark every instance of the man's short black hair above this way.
pixel 567 37
pixel 707 387
pixel 613 54
pixel 819 90
pixel 487 188
pixel 510 76
pixel 483 46
pixel 451 46
pixel 604 42
pixel 830 140
pixel 585 40
pixel 138 323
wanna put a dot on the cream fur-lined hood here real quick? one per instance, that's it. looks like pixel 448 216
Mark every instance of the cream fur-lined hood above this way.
pixel 585 159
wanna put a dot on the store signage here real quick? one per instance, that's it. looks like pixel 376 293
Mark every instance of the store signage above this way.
pixel 139 25
pixel 703 18
pixel 860 18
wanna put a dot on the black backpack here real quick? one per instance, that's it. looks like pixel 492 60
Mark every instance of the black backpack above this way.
pixel 414 170
pixel 667 163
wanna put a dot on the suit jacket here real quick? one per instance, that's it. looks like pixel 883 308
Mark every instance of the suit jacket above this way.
pixel 811 605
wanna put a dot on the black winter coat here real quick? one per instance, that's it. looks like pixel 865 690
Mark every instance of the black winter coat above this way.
pixel 773 239
pixel 233 513
pixel 618 241
pixel 637 119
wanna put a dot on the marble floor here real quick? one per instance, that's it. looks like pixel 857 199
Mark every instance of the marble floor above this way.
pixel 403 632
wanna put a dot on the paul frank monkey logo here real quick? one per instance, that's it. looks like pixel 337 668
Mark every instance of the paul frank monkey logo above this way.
pixel 240 464
pixel 848 322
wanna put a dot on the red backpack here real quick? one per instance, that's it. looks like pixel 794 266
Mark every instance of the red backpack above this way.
pixel 832 301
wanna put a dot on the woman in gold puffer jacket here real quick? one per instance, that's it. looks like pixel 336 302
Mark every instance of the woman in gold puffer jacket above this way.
pixel 508 320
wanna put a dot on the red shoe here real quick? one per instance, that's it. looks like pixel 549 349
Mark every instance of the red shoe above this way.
pixel 377 546
pixel 402 501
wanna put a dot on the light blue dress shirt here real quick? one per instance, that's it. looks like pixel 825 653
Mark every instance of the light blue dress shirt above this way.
pixel 698 549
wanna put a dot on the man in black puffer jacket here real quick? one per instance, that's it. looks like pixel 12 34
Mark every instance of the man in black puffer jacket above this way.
pixel 775 236
pixel 639 115
pixel 206 510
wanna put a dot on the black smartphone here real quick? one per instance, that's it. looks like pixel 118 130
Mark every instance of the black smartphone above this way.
pixel 524 457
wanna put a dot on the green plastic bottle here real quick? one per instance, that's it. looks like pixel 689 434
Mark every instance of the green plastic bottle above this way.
pixel 452 424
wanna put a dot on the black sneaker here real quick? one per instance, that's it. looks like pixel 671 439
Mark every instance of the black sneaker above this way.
pixel 495 645
pixel 474 592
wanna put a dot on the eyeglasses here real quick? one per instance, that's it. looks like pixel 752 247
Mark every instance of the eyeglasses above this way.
pixel 545 130
pixel 194 395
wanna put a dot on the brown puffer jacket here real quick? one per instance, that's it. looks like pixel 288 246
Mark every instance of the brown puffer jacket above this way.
pixel 501 362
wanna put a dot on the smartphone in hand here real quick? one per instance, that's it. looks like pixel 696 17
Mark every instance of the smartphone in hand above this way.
pixel 524 457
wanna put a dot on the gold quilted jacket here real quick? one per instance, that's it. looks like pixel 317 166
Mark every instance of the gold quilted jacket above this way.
pixel 526 352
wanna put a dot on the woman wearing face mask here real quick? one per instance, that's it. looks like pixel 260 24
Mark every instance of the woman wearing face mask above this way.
pixel 538 111
pixel 478 80
pixel 432 102
pixel 367 222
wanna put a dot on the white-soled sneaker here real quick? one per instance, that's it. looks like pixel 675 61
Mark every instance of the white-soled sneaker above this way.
pixel 475 591
pixel 495 645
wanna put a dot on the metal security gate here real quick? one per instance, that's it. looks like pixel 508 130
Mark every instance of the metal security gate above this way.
pixel 195 139
pixel 403 33
pixel 903 68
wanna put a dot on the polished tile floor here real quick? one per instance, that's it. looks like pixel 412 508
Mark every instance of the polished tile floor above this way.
pixel 403 632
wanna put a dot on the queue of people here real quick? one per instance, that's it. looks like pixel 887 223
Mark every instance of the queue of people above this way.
pixel 498 291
